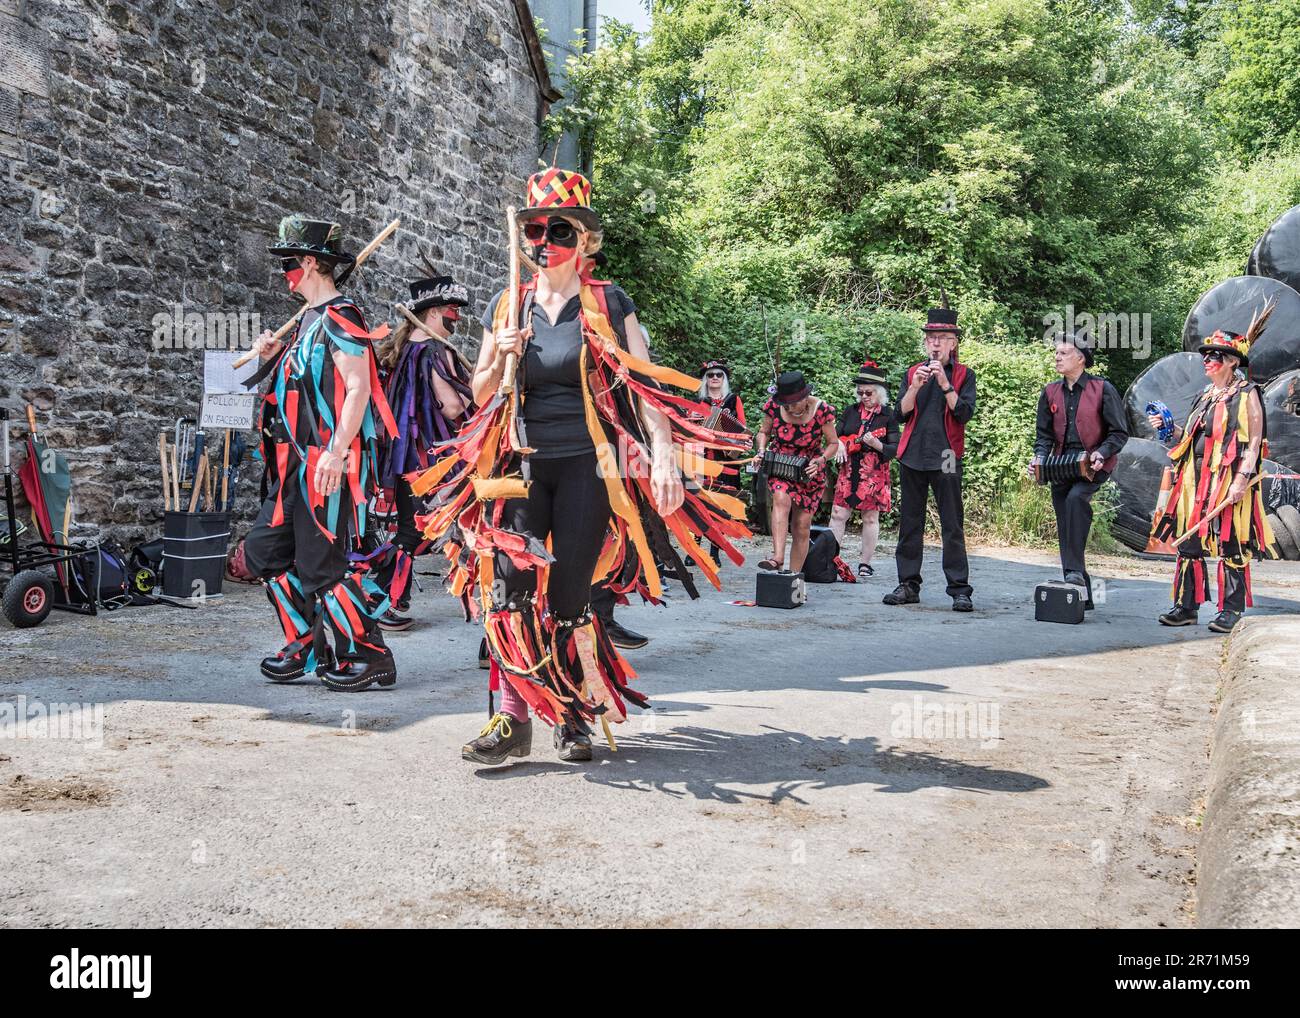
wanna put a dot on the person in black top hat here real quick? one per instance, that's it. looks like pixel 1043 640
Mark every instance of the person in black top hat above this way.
pixel 1082 413
pixel 323 414
pixel 427 384
pixel 938 399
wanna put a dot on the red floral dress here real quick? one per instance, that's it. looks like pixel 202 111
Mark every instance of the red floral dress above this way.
pixel 799 440
pixel 863 483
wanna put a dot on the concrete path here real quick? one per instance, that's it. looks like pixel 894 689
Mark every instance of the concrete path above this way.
pixel 844 764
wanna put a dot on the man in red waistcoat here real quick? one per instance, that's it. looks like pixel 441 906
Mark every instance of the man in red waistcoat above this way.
pixel 938 399
pixel 1081 413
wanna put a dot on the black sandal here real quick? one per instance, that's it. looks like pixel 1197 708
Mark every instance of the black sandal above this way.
pixel 770 564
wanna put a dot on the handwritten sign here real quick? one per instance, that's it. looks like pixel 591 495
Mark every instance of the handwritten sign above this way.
pixel 236 410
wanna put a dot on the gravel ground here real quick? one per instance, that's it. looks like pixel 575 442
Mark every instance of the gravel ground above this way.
pixel 798 768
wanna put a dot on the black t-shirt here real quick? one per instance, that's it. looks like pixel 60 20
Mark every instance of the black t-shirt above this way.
pixel 552 410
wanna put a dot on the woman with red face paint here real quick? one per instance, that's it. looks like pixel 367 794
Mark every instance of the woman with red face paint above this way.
pixel 1215 504
pixel 427 384
pixel 604 487
pixel 321 422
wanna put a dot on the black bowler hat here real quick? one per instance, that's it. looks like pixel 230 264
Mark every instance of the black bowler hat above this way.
pixel 791 387
pixel 301 236
pixel 437 290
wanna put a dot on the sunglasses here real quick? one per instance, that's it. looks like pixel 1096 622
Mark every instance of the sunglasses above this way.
pixel 558 231
pixel 1212 356
pixel 715 374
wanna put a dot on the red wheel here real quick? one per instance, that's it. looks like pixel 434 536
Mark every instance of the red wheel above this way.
pixel 28 599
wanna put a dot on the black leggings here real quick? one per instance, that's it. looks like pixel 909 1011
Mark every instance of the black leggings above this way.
pixel 569 503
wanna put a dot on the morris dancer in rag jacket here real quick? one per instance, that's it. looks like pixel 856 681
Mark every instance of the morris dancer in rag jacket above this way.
pixel 322 415
pixel 1216 495
pixel 427 384
pixel 591 489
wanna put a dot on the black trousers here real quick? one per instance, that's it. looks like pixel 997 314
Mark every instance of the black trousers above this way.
pixel 408 536
pixel 569 503
pixel 1072 501
pixel 297 543
pixel 602 603
pixel 915 487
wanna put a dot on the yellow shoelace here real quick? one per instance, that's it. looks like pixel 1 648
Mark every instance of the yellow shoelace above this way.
pixel 498 719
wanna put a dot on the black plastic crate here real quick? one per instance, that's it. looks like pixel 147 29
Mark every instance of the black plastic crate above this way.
pixel 194 552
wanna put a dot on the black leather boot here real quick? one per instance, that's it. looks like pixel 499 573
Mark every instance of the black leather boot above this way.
pixel 571 745
pixel 353 674
pixel 1225 622
pixel 902 594
pixel 1179 615
pixel 284 667
pixel 620 636
pixel 393 622
pixel 500 739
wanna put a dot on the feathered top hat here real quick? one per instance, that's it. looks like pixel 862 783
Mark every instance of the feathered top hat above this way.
pixel 1232 338
pixel 299 235
pixel 556 192
pixel 942 318
pixel 435 289
pixel 870 374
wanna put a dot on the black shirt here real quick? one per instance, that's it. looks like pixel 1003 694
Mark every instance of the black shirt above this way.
pixel 1114 420
pixel 928 445
pixel 553 412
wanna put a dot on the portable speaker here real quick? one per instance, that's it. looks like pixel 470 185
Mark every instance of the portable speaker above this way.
pixel 1057 601
pixel 780 590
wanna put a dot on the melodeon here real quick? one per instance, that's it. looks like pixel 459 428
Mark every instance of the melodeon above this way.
pixel 1059 467
pixel 782 467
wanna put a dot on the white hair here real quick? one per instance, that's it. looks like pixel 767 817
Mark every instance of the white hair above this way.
pixel 703 392
pixel 881 393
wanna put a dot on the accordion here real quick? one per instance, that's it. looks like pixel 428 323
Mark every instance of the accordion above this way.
pixel 1059 467
pixel 781 467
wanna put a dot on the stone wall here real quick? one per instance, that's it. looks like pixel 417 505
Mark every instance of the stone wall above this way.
pixel 148 150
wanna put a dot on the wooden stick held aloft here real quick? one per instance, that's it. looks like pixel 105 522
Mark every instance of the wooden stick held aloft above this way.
pixel 366 252
pixel 512 294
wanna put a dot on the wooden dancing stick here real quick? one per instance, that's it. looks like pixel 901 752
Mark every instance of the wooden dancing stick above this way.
pixel 1215 512
pixel 512 294
pixel 199 471
pixel 366 252
pixel 176 482
pixel 162 462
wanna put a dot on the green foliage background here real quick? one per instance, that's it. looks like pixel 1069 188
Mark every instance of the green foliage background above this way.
pixel 816 173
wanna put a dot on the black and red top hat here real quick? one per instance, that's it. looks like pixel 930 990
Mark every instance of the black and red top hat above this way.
pixel 722 366
pixel 941 320
pixel 1236 330
pixel 556 192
